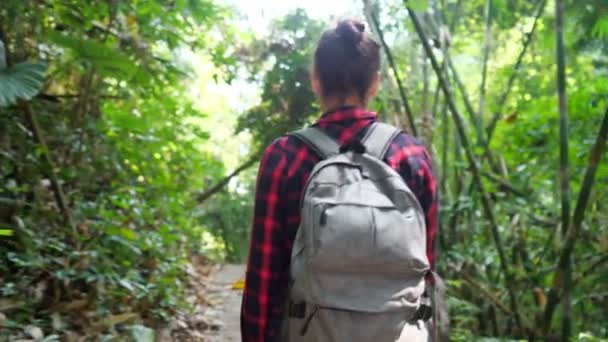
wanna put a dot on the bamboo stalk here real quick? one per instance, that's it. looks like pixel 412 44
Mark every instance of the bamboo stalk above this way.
pixel 425 85
pixel 563 117
pixel 444 47
pixel 572 235
pixel 393 66
pixel 465 98
pixel 484 70
pixel 444 149
pixel 485 200
pixel 474 116
pixel 564 173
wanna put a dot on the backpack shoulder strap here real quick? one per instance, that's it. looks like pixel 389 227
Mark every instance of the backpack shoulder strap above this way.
pixel 323 145
pixel 378 139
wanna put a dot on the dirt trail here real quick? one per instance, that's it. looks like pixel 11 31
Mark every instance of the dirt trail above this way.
pixel 228 310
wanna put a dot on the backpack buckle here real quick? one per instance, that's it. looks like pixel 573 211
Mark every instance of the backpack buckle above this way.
pixel 353 145
pixel 297 310
pixel 425 310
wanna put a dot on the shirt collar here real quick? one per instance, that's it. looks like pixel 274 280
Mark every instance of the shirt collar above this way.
pixel 346 114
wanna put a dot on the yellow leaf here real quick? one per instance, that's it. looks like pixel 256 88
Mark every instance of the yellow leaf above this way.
pixel 238 285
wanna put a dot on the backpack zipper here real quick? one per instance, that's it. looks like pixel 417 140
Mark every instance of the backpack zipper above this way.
pixel 308 319
pixel 315 309
pixel 323 217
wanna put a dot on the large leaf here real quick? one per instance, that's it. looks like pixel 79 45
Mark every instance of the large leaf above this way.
pixel 600 29
pixel 2 56
pixel 107 60
pixel 21 81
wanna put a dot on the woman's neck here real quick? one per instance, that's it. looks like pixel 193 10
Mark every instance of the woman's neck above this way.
pixel 329 104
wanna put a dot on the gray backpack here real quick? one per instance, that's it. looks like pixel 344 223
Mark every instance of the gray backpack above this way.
pixel 359 266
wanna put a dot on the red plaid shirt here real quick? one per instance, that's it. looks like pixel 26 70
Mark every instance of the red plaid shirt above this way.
pixel 284 169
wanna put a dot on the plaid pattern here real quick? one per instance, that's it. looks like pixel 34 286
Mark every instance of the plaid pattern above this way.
pixel 283 172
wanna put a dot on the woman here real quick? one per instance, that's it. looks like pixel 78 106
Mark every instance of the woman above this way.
pixel 345 77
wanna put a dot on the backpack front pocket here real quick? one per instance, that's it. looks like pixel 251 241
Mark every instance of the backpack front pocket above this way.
pixel 343 237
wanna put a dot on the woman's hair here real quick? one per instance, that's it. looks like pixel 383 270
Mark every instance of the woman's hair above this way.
pixel 346 60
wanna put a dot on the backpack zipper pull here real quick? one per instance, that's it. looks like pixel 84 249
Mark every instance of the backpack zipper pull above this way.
pixel 323 218
pixel 308 319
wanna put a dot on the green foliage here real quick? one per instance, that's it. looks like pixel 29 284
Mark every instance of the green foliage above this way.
pixel 20 82
pixel 115 113
pixel 525 148
pixel 107 82
pixel 287 101
pixel 105 59
pixel 600 29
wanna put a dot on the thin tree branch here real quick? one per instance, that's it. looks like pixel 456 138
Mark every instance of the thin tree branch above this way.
pixel 487 207
pixel 592 268
pixel 505 94
pixel 205 195
pixel 50 166
pixel 393 66
pixel 525 193
pixel 482 290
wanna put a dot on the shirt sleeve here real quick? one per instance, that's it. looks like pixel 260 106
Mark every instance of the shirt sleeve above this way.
pixel 266 280
pixel 428 198
pixel 413 162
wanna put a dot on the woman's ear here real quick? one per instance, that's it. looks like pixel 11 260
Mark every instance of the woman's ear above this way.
pixel 315 83
pixel 373 89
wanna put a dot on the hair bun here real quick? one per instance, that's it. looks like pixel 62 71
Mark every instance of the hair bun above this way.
pixel 351 30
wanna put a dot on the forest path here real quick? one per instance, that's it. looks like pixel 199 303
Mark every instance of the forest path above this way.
pixel 228 311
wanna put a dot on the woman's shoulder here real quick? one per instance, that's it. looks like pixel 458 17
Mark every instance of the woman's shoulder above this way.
pixel 406 139
pixel 410 150
pixel 286 146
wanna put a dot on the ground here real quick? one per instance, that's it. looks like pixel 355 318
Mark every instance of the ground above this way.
pixel 228 310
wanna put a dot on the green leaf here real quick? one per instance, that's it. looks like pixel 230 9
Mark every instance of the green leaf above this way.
pixel 418 5
pixel 22 81
pixel 123 232
pixel 106 60
pixel 6 232
pixel 600 29
pixel 142 333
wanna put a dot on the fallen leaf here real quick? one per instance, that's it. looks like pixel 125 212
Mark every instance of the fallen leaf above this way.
pixel 34 332
pixel 142 333
pixel 115 319
pixel 8 304
pixel 75 305
pixel 238 285
pixel 56 321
